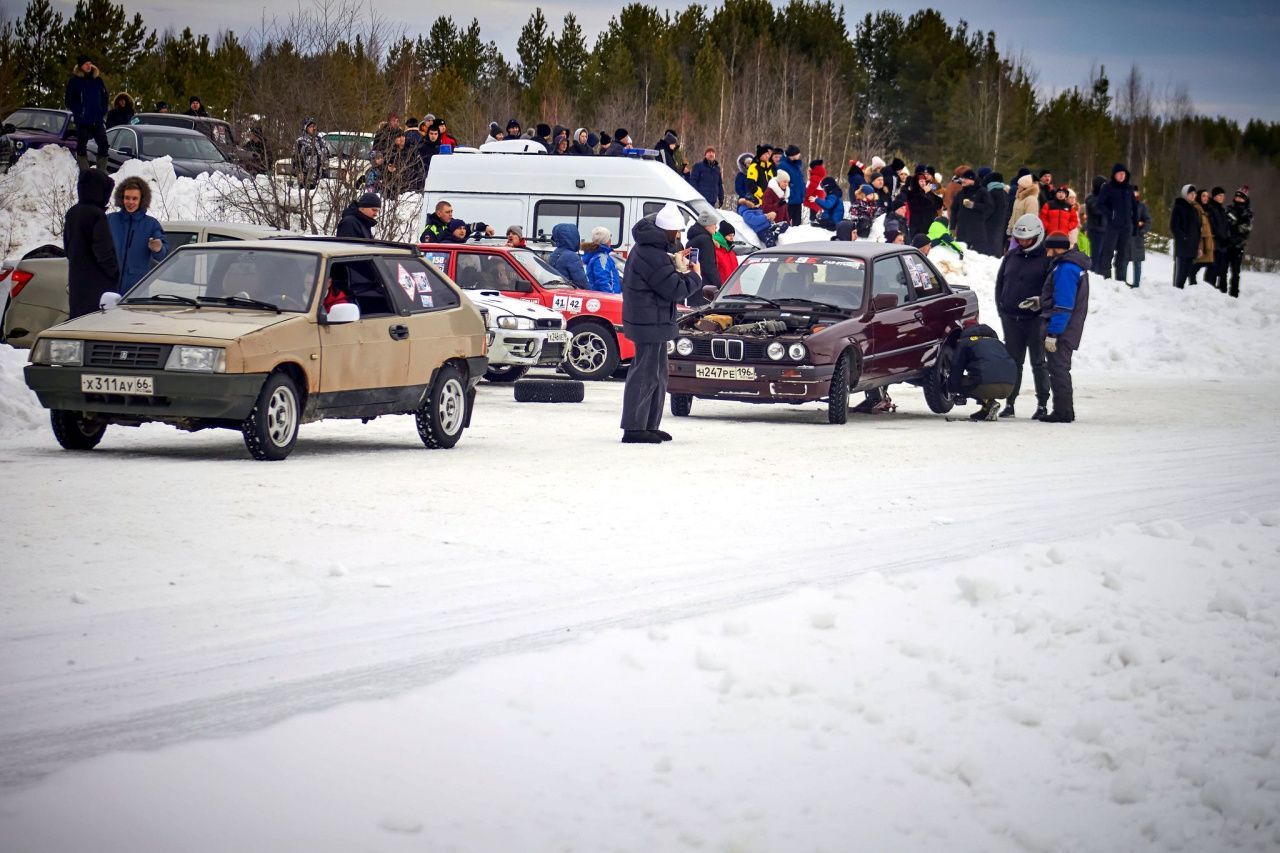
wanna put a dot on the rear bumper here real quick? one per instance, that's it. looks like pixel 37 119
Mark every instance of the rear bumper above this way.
pixel 201 396
pixel 773 383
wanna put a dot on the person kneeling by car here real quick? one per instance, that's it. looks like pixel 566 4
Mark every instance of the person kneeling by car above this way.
pixel 983 370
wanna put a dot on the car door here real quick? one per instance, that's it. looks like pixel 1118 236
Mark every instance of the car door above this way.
pixel 428 301
pixel 891 330
pixel 365 362
pixel 937 310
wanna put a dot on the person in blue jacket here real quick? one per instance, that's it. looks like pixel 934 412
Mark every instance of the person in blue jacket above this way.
pixel 597 257
pixel 832 204
pixel 759 222
pixel 86 98
pixel 741 186
pixel 1064 304
pixel 793 165
pixel 983 370
pixel 139 240
pixel 565 259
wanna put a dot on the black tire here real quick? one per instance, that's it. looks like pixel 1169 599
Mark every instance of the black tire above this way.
pixel 681 405
pixel 443 414
pixel 838 396
pixel 502 374
pixel 593 352
pixel 549 391
pixel 271 430
pixel 74 431
pixel 937 382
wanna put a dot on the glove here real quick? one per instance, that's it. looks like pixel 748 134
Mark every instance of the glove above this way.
pixel 1051 344
pixel 968 202
pixel 1031 304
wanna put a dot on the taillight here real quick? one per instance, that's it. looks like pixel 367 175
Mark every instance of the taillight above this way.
pixel 19 279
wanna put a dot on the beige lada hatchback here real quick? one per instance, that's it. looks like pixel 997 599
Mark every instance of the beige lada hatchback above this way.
pixel 262 336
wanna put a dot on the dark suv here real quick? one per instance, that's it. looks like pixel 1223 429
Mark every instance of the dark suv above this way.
pixel 34 127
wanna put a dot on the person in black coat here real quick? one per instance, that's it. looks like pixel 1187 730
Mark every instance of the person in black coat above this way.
pixel 92 266
pixel 1021 278
pixel 969 211
pixel 195 107
pixel 1221 230
pixel 1119 213
pixel 86 98
pixel 1240 224
pixel 360 217
pixel 698 236
pixel 652 284
pixel 998 217
pixel 982 370
pixel 666 147
pixel 1094 222
pixel 1184 228
pixel 923 203
pixel 705 178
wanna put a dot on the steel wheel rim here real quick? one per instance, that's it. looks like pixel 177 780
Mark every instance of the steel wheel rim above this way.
pixel 282 418
pixel 451 408
pixel 588 351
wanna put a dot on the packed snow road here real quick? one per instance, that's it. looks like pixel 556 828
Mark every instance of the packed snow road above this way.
pixel 165 587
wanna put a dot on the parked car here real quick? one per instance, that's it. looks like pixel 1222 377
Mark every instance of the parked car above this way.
pixel 597 346
pixel 218 131
pixel 34 127
pixel 192 152
pixel 237 336
pixel 350 155
pixel 37 284
pixel 818 321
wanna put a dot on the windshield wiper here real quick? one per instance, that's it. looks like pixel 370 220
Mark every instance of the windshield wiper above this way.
pixel 165 297
pixel 768 302
pixel 815 303
pixel 246 301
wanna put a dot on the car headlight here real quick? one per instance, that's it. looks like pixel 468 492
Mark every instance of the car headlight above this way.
pixel 511 321
pixel 58 352
pixel 797 352
pixel 776 351
pixel 197 359
pixel 671 347
pixel 684 346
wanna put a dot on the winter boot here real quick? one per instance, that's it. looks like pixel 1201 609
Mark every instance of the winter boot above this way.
pixel 103 163
pixel 662 434
pixel 83 162
pixel 1057 418
pixel 640 436
pixel 990 411
pixel 1042 412
pixel 1007 411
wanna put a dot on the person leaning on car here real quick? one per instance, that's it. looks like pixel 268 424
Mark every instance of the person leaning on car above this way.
pixel 92 267
pixel 652 283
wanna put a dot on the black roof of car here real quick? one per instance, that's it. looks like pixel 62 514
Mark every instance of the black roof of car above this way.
pixel 864 249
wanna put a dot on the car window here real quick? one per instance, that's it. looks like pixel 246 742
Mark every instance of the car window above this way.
pixel 889 278
pixel 484 271
pixel 36 120
pixel 180 238
pixel 165 120
pixel 283 279
pixel 583 215
pixel 360 281
pixel 417 286
pixel 113 137
pixel 181 147
pixel 214 237
pixel 832 280
pixel 923 279
pixel 127 139
pixel 221 134
pixel 541 271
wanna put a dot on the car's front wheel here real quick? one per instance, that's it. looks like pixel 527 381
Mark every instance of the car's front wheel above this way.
pixel 593 352
pixel 271 430
pixel 937 382
pixel 838 396
pixel 505 373
pixel 74 431
pixel 444 412
pixel 681 405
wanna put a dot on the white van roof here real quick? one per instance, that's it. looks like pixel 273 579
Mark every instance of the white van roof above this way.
pixel 557 175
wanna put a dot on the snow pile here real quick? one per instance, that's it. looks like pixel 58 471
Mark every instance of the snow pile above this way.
pixel 1091 695
pixel 34 197
pixel 20 411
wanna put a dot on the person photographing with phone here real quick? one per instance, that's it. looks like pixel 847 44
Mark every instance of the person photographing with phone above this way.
pixel 654 281
pixel 138 237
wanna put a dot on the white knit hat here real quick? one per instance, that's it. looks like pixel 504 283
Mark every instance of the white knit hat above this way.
pixel 669 218
pixel 877 163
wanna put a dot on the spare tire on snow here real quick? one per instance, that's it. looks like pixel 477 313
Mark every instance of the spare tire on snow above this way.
pixel 549 391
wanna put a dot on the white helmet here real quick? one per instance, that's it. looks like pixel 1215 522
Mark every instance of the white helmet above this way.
pixel 1028 227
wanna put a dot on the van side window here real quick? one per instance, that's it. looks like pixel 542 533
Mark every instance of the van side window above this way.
pixel 583 215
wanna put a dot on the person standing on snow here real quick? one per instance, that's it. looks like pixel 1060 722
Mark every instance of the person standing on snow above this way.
pixel 726 260
pixel 1026 201
pixel 653 282
pixel 1095 225
pixel 705 178
pixel 565 259
pixel 1216 208
pixel 969 211
pixel 742 186
pixel 92 266
pixel 1119 213
pixel 999 192
pixel 311 155
pixel 121 112
pixel 1240 225
pixel 360 217
pixel 1138 248
pixel 1184 228
pixel 138 238
pixel 1018 286
pixel 597 258
pixel 1057 215
pixel 1064 305
pixel 794 167
pixel 760 172
pixel 666 147
pixel 86 98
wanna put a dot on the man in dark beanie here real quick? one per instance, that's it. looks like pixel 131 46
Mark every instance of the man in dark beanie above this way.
pixel 793 164
pixel 1240 223
pixel 196 107
pixel 666 147
pixel 513 128
pixel 618 146
pixel 360 217
pixel 1064 304
pixel 1221 230
pixel 87 99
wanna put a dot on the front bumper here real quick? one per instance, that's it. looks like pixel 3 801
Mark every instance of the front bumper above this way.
pixel 201 396
pixel 773 383
pixel 527 348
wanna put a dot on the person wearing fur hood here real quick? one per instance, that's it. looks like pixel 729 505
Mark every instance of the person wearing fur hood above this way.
pixel 139 239
pixel 775 197
pixel 814 191
pixel 1026 201
pixel 86 98
pixel 121 111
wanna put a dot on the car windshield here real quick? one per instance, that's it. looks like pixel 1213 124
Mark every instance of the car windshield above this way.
pixel 349 145
pixel 48 122
pixel 193 146
pixel 232 277
pixel 541 271
pixel 837 282
pixel 700 207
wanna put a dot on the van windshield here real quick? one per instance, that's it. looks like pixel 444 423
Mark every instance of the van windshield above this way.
pixel 541 271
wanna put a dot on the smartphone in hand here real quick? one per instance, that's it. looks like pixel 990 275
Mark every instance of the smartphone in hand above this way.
pixel 693 256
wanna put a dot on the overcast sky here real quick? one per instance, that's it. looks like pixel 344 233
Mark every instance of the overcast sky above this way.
pixel 1224 51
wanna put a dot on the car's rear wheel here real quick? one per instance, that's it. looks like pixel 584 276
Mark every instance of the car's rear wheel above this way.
pixel 838 396
pixel 74 431
pixel 937 382
pixel 681 405
pixel 443 414
pixel 593 352
pixel 505 373
pixel 549 391
pixel 271 430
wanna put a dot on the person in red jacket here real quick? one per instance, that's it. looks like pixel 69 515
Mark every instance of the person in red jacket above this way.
pixel 1057 214
pixel 726 260
pixel 814 191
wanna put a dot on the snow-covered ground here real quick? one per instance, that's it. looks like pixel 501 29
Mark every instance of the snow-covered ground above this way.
pixel 772 634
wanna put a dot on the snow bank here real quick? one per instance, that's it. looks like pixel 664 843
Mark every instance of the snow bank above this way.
pixel 20 411
pixel 1084 696
pixel 34 197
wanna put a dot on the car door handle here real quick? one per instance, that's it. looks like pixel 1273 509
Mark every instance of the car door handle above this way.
pixel 919 315
pixel 398 332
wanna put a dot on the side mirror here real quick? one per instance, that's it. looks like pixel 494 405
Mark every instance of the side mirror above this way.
pixel 108 301
pixel 709 292
pixel 520 286
pixel 343 312
pixel 884 301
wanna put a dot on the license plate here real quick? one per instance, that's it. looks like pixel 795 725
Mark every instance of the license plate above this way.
pixel 558 337
pixel 141 386
pixel 731 374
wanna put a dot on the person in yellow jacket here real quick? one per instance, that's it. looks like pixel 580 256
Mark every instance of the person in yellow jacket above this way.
pixel 761 172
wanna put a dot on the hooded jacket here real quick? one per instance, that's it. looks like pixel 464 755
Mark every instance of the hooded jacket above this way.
pixel 831 203
pixel 92 267
pixel 1095 222
pixel 565 259
pixel 582 149
pixel 814 190
pixel 754 217
pixel 86 98
pixel 602 269
pixel 981 359
pixel 355 224
pixel 1240 223
pixel 1116 204
pixel 971 221
pixel 1064 300
pixel 795 169
pixel 651 286
pixel 1026 201
pixel 741 184
pixel 698 237
pixel 705 178
pixel 1021 276
pixel 120 115
pixel 775 201
pixel 130 233
pixel 666 147
pixel 999 192
pixel 1184 227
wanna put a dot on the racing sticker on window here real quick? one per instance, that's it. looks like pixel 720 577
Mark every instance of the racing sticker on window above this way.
pixel 423 282
pixel 405 279
pixel 427 300
pixel 572 304
pixel 439 260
